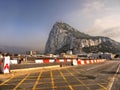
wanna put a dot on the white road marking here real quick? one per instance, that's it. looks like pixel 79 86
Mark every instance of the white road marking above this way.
pixel 114 77
pixel 96 67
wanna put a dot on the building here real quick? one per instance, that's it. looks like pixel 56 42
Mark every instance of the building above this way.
pixel 31 53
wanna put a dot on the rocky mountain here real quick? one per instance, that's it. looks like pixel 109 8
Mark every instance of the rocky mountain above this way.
pixel 63 37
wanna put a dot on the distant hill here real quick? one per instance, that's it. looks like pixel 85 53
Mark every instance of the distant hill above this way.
pixel 13 50
pixel 63 37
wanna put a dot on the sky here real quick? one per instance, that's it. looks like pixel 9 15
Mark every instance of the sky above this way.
pixel 27 23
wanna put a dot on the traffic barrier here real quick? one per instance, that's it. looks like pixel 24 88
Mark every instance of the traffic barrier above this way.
pixel 69 60
pixel 82 62
pixel 51 60
pixel 75 62
pixel 87 61
pixel 95 61
pixel 79 61
pixel 39 61
pixel 61 60
pixel 57 60
pixel 90 61
pixel 98 60
pixel 5 66
pixel 45 60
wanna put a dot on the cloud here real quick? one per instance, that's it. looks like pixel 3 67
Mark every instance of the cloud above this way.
pixel 98 18
pixel 84 16
pixel 93 7
pixel 107 26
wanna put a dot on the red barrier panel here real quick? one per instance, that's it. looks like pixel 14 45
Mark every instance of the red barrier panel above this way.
pixel 79 62
pixel 85 62
pixel 90 61
pixel 57 60
pixel 45 60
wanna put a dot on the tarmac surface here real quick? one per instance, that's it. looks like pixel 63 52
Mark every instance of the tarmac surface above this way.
pixel 102 76
pixel 34 65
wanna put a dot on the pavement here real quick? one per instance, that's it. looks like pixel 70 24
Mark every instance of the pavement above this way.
pixel 82 77
pixel 20 69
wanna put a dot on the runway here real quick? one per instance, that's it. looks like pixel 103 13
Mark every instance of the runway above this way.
pixel 102 76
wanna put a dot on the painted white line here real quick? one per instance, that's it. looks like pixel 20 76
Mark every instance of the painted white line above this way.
pixel 96 67
pixel 114 77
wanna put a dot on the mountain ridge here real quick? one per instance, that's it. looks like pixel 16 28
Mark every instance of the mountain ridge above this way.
pixel 63 37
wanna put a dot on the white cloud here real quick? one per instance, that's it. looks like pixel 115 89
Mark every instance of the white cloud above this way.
pixel 93 7
pixel 108 26
pixel 84 16
pixel 97 17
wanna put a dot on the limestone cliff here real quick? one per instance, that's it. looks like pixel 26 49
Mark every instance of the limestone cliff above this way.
pixel 64 37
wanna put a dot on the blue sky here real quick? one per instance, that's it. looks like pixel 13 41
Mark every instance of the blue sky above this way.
pixel 27 23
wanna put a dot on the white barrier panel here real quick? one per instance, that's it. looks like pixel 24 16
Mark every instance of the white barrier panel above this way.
pixel 98 60
pixel 51 60
pixel 61 60
pixel 6 64
pixel 39 61
pixel 75 62
pixel 92 61
pixel 13 62
pixel 68 60
pixel 82 62
pixel 87 61
pixel 95 61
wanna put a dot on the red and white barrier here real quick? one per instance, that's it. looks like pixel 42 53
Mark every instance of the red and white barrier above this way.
pixel 6 65
pixel 82 62
pixel 44 60
pixel 57 60
pixel 87 61
pixel 51 60
pixel 79 61
pixel 39 61
pixel 69 60
pixel 61 60
pixel 74 61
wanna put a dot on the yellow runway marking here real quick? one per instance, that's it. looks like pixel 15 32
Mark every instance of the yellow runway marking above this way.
pixel 52 79
pixel 78 79
pixel 65 80
pixel 6 81
pixel 21 82
pixel 38 78
pixel 104 88
pixel 44 88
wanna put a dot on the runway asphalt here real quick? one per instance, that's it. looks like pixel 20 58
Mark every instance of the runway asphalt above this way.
pixel 102 76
